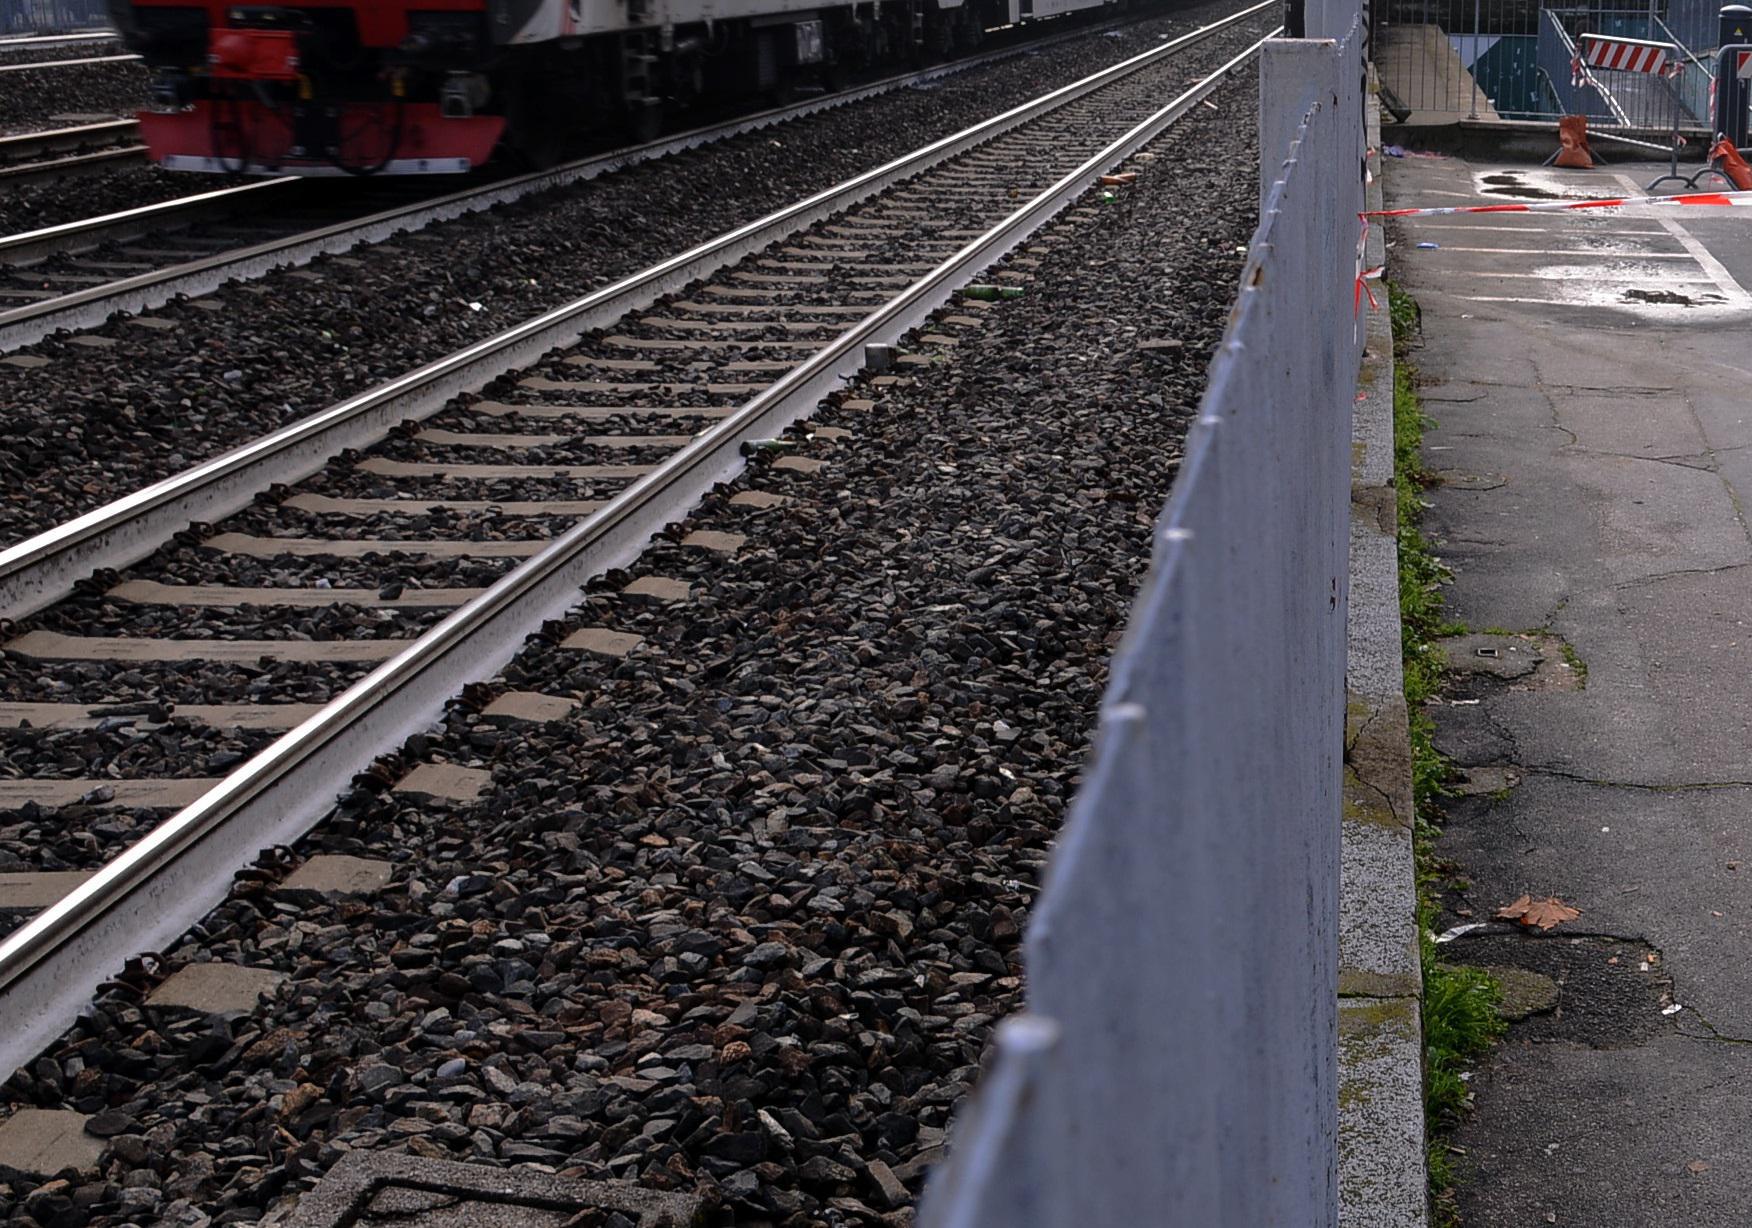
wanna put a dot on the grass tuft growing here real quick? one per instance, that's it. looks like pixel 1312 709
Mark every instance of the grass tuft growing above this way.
pixel 1460 1004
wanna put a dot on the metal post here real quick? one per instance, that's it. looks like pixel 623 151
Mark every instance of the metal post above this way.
pixel 1673 84
pixel 1477 37
pixel 1735 32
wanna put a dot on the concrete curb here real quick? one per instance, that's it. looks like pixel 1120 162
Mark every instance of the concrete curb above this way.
pixel 1381 1178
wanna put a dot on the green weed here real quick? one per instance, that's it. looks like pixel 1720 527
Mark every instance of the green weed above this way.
pixel 1573 659
pixel 1459 1004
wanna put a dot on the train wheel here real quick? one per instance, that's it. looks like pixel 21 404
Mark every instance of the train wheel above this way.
pixel 644 120
pixel 640 94
pixel 535 123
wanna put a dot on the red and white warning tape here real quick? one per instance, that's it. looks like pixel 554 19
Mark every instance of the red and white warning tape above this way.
pixel 1707 199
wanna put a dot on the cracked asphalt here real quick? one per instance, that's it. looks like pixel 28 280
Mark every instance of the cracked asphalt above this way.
pixel 1596 451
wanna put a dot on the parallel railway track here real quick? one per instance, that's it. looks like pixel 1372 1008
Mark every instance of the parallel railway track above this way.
pixel 30 44
pixel 351 608
pixel 33 65
pixel 71 165
pixel 153 254
pixel 56 152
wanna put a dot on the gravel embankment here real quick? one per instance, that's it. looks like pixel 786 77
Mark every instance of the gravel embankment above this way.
pixel 97 423
pixel 744 922
pixel 42 203
pixel 58 97
pixel 25 53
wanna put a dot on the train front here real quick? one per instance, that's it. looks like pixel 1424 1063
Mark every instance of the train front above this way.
pixel 323 87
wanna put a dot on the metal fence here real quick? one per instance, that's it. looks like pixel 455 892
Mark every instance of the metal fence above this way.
pixel 1176 1063
pixel 1512 59
pixel 18 17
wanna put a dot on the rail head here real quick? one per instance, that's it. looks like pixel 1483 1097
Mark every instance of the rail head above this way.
pixel 32 65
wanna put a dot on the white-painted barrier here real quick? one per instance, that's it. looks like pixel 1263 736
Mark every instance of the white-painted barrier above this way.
pixel 1176 1064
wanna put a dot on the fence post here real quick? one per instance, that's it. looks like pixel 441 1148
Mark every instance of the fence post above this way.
pixel 1294 74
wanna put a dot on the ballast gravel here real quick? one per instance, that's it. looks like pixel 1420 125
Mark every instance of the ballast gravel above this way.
pixel 125 405
pixel 33 99
pixel 29 53
pixel 743 922
pixel 39 204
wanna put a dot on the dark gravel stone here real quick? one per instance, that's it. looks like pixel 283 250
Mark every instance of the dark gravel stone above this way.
pixel 745 920
pixel 61 97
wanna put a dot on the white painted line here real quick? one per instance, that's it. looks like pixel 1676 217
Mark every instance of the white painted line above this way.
pixel 1617 253
pixel 1523 230
pixel 1558 302
pixel 1628 280
pixel 1718 273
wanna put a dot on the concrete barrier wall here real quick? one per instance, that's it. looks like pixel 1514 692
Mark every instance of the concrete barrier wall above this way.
pixel 1176 1064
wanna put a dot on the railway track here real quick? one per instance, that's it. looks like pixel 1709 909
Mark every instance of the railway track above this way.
pixel 78 275
pixel 59 86
pixel 24 148
pixel 52 44
pixel 88 61
pixel 326 590
pixel 65 153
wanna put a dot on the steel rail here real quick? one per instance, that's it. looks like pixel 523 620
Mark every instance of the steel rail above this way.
pixel 168 880
pixel 29 65
pixel 70 238
pixel 56 140
pixel 72 164
pixel 91 307
pixel 31 42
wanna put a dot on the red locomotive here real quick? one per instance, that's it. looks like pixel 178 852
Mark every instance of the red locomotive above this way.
pixel 367 87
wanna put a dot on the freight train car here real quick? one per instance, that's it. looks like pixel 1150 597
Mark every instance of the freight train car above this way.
pixel 367 87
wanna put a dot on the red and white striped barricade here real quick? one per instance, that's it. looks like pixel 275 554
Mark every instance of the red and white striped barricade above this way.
pixel 1636 57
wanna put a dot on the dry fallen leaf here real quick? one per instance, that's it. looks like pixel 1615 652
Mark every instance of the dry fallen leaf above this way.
pixel 1541 913
pixel 1697 1167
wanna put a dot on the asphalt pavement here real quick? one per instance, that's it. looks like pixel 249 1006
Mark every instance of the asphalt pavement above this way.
pixel 1590 374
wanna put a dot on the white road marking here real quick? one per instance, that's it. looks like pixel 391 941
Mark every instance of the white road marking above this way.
pixel 1724 280
pixel 1558 302
pixel 1537 230
pixel 1624 280
pixel 1617 253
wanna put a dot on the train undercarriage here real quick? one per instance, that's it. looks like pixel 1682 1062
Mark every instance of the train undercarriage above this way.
pixel 366 87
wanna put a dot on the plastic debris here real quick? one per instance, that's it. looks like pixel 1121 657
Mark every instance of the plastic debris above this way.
pixel 1428 247
pixel 1673 1009
pixel 1459 931
pixel 1393 151
pixel 750 447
